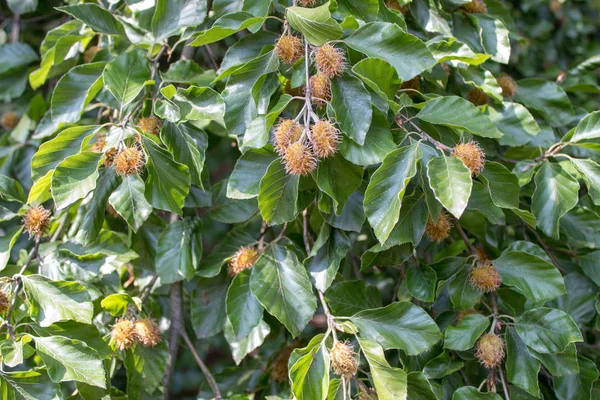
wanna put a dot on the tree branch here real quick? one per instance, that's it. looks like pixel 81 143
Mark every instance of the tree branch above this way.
pixel 203 367
pixel 464 237
pixel 176 308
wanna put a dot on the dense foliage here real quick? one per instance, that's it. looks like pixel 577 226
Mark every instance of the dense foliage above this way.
pixel 299 199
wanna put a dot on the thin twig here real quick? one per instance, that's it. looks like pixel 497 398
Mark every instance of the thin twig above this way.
pixel 506 395
pixel 464 237
pixel 14 32
pixel 148 288
pixel 209 377
pixel 305 232
pixel 426 136
pixel 546 249
pixel 176 306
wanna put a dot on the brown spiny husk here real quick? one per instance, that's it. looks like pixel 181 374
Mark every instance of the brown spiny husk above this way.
pixel 343 361
pixel 438 230
pixel 286 132
pixel 150 125
pixel 478 97
pixel 508 85
pixel 414 84
pixel 324 138
pixel 307 2
pixel 320 89
pixel 299 159
pixel 37 221
pixel 289 49
pixel 98 147
pixel 147 332
pixel 244 258
pixel 10 120
pixel 490 350
pixel 330 60
pixel 129 161
pixel 4 302
pixel 485 277
pixel 471 155
pixel 124 334
pixel 279 370
pixel 475 7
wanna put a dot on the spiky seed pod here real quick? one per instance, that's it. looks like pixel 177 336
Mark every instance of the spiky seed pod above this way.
pixel 490 350
pixel 279 371
pixel 299 159
pixel 475 7
pixel 320 88
pixel 330 60
pixel 129 161
pixel 485 277
pixel 10 120
pixel 414 84
pixel 110 156
pixel 471 155
pixel 286 132
pixel 438 230
pixel 481 254
pixel 307 2
pixel 150 125
pixel 324 138
pixel 478 97
pixel 4 302
pixel 37 221
pixel 123 334
pixel 555 6
pixel 508 85
pixel 343 361
pixel 289 49
pixel 100 143
pixel 147 332
pixel 243 259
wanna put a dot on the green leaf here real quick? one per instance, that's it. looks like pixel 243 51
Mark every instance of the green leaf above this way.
pixel 378 143
pixel 471 393
pixel 546 98
pixel 400 325
pixel 116 304
pixel 75 90
pixel 200 104
pixel 326 254
pixel 419 387
pixel 70 360
pixel 352 106
pixel 179 251
pixel 367 10
pixel 534 277
pixel 446 49
pixel 74 178
pixel 405 52
pixel 281 285
pixel 559 364
pixel 242 347
pixel 188 145
pixel 581 226
pixel 383 197
pixel 515 122
pixel 51 301
pixel 555 194
pixel 462 294
pixel 390 383
pixel 578 386
pixel 230 211
pixel 588 128
pixel 451 183
pixel 309 370
pixel 591 175
pixel 456 112
pixel 129 201
pixel 96 17
pixel 7 241
pixel 421 281
pixel 315 24
pixel 22 6
pixel 28 385
pixel 547 330
pixel 145 369
pixel 463 336
pixel 243 309
pixel 412 221
pixel 74 330
pixel 224 250
pixel 442 366
pixel 51 153
pixel 126 75
pixel 94 217
pixel 168 181
pixel 379 76
pixel 349 297
pixel 338 178
pixel 208 307
pixel 226 26
pixel 171 16
pixel 11 190
pixel 278 194
pixel 522 368
pixel 494 37
pixel 15 56
pixel 244 182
